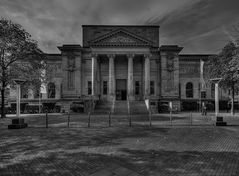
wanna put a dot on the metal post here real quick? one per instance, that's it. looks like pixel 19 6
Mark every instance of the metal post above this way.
pixel 171 118
pixel 130 123
pixel 18 100
pixel 216 100
pixel 191 120
pixel 39 106
pixel 68 120
pixel 46 120
pixel 89 119
pixel 150 114
pixel 109 119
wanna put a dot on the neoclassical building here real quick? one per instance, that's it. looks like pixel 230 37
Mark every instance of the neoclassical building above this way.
pixel 119 63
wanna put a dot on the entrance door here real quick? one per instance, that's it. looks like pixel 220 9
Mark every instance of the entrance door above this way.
pixel 121 89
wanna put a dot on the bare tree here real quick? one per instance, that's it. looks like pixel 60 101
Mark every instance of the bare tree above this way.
pixel 20 57
pixel 225 65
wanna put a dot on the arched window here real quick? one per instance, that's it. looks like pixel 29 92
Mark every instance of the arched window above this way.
pixel 51 90
pixel 189 90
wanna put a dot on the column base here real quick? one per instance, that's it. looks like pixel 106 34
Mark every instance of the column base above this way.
pixel 17 123
pixel 220 122
pixel 130 97
pixel 111 97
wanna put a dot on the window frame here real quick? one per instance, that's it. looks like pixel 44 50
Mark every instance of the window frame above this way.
pixel 189 90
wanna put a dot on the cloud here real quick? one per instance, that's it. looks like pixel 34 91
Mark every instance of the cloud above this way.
pixel 189 24
pixel 199 27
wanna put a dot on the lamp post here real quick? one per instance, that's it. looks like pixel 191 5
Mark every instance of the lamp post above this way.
pixel 18 83
pixel 219 120
pixel 18 122
pixel 216 81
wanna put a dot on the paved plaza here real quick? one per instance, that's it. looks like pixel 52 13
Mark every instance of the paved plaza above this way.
pixel 120 150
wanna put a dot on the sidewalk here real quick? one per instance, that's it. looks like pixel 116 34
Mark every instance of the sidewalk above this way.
pixel 117 151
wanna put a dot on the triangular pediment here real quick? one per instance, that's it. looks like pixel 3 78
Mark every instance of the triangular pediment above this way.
pixel 120 37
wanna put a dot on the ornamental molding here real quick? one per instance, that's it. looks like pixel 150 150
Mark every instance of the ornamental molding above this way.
pixel 71 62
pixel 120 37
pixel 170 61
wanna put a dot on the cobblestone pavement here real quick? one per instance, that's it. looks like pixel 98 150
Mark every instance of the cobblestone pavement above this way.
pixel 118 150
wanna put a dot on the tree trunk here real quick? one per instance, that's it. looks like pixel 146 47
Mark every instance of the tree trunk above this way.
pixel 3 103
pixel 232 104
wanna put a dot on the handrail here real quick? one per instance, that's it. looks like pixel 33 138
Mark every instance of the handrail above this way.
pixel 128 104
pixel 113 105
pixel 129 112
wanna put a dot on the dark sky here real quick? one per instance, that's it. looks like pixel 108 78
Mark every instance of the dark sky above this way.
pixel 200 26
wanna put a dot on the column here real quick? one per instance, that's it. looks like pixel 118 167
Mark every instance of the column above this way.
pixel 93 74
pixel 111 75
pixel 78 76
pixel 216 99
pixel 130 75
pixel 147 75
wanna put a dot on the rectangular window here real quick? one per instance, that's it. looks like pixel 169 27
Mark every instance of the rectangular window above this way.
pixel 151 87
pixel 104 87
pixel 89 88
pixel 71 80
pixel 137 87
pixel 203 94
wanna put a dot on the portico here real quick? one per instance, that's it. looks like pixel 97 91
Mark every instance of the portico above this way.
pixel 122 79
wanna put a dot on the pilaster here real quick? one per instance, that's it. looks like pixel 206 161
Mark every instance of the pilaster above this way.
pixel 147 75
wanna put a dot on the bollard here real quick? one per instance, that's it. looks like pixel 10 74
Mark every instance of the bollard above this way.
pixel 150 115
pixel 89 119
pixel 191 119
pixel 171 120
pixel 46 120
pixel 130 123
pixel 68 120
pixel 109 119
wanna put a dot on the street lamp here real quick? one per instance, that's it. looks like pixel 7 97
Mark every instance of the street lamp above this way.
pixel 18 83
pixel 18 122
pixel 219 120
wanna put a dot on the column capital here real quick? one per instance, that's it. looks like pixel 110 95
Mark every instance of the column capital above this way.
pixel 147 55
pixel 94 55
pixel 111 55
pixel 131 55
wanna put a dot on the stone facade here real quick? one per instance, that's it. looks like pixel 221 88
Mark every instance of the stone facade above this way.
pixel 125 63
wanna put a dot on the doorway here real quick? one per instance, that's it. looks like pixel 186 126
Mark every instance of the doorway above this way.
pixel 121 89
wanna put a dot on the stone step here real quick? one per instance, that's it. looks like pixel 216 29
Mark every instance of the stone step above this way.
pixel 121 107
pixel 103 107
pixel 138 107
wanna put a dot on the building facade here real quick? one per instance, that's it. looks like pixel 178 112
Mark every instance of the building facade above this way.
pixel 119 63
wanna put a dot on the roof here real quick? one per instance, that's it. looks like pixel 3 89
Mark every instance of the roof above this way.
pixel 155 26
pixel 194 57
pixel 171 48
pixel 53 56
pixel 70 48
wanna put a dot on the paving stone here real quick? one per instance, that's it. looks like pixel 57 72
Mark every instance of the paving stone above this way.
pixel 119 150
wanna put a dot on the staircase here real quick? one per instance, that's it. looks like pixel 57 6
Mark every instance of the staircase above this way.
pixel 121 107
pixel 103 107
pixel 138 107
